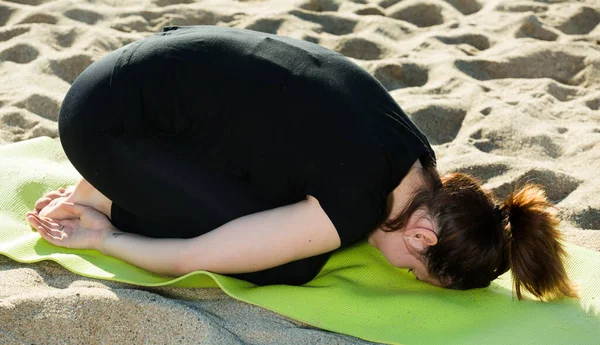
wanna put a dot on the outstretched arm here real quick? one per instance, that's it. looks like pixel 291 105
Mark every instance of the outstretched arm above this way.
pixel 247 244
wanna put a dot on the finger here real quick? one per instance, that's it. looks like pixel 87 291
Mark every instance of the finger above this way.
pixel 50 227
pixel 61 190
pixel 46 221
pixel 54 225
pixel 37 225
pixel 30 214
pixel 48 235
pixel 53 194
pixel 72 208
pixel 69 190
pixel 54 231
pixel 33 222
pixel 42 202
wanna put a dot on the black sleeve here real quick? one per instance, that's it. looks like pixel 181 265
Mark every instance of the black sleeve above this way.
pixel 354 211
pixel 352 195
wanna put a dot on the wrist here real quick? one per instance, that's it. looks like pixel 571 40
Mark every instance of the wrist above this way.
pixel 104 236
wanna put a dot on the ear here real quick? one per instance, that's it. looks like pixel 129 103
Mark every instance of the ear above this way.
pixel 419 239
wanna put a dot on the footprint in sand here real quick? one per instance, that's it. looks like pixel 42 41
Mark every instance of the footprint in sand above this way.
pixel 484 172
pixel 361 48
pixel 268 25
pixel 495 141
pixel 19 53
pixel 538 62
pixel 396 76
pixel 37 17
pixel 425 13
pixel 370 10
pixel 132 23
pixel 13 31
pixel 466 7
pixel 557 185
pixel 587 219
pixel 22 124
pixel 65 38
pixel 15 117
pixel 147 15
pixel 41 105
pixel 533 28
pixel 319 5
pixel 69 68
pixel 310 38
pixel 84 16
pixel 581 21
pixel 387 3
pixel 163 3
pixel 417 12
pixel 440 121
pixel 593 103
pixel 563 93
pixel 5 14
pixel 330 23
pixel 521 7
pixel 43 129
pixel 29 2
pixel 479 41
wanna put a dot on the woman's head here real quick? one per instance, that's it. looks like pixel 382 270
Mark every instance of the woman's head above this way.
pixel 478 239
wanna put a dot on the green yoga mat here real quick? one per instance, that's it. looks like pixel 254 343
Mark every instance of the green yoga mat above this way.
pixel 357 292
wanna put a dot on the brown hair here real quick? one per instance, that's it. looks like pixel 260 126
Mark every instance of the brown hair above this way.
pixel 479 240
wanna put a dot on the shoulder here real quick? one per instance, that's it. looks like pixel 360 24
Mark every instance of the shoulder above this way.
pixel 351 190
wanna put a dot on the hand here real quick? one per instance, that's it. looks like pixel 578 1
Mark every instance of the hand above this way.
pixel 49 204
pixel 86 230
pixel 52 195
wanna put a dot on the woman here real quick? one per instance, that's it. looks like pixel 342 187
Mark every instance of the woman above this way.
pixel 256 155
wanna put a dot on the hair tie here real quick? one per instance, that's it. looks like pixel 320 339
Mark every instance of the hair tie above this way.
pixel 498 217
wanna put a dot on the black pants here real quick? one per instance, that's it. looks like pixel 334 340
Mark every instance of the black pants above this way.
pixel 157 187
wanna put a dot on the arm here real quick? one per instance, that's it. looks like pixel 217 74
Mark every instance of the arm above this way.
pixel 91 229
pixel 247 244
pixel 159 255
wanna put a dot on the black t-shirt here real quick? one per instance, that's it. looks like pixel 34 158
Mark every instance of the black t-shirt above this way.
pixel 287 116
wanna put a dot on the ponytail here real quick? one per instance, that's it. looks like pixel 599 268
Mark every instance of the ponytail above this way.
pixel 479 239
pixel 535 249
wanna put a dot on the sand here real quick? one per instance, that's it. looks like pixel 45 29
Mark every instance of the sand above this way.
pixel 508 91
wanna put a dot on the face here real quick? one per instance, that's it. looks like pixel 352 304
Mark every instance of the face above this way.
pixel 402 247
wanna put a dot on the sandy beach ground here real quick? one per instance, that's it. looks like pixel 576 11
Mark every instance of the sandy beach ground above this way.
pixel 508 91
